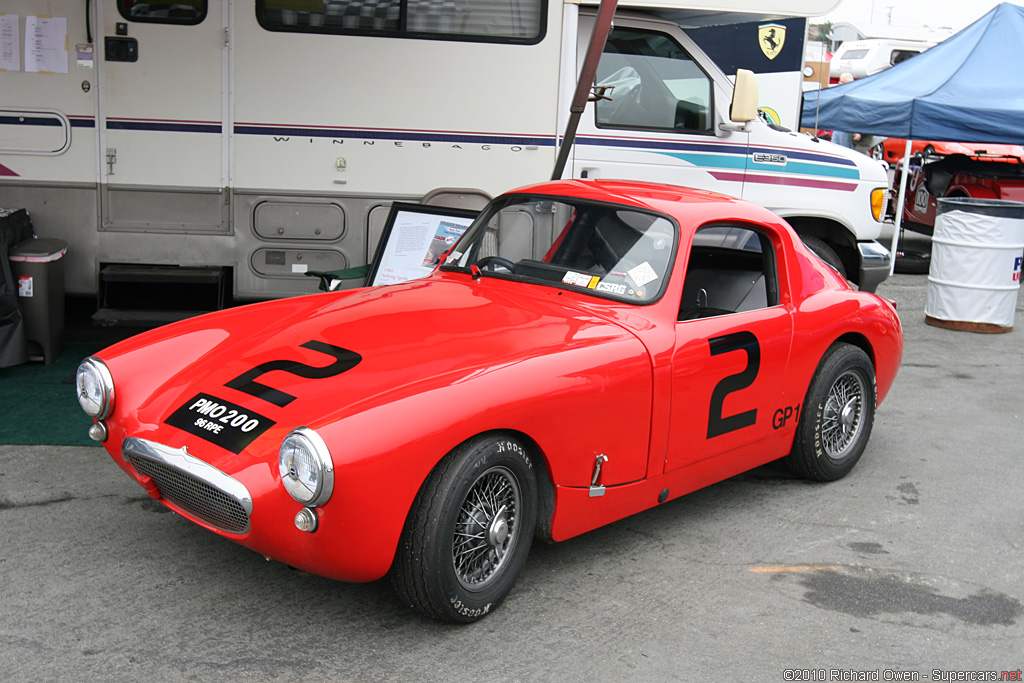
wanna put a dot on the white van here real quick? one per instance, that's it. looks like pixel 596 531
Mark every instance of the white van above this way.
pixel 250 141
pixel 861 58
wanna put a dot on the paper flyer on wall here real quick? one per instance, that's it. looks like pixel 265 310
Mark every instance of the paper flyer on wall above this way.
pixel 10 46
pixel 46 44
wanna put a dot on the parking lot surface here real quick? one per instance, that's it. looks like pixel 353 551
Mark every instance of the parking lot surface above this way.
pixel 911 565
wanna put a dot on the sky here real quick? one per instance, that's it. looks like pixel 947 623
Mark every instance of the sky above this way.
pixel 955 14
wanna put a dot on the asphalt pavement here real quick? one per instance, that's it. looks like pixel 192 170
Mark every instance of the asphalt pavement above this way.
pixel 911 565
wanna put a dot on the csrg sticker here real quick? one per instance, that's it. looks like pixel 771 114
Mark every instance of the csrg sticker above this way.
pixel 220 422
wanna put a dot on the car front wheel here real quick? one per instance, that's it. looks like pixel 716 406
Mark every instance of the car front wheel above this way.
pixel 469 531
pixel 826 253
pixel 837 415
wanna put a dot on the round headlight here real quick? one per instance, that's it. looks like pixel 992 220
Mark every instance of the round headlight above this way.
pixel 307 471
pixel 95 388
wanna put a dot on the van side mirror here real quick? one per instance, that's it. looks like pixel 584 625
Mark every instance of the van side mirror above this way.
pixel 744 97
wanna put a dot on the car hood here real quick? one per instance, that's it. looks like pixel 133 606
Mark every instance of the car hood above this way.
pixel 317 359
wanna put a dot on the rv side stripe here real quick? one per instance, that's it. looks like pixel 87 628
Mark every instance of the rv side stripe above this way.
pixel 784 180
pixel 660 145
pixel 164 126
pixel 30 121
pixel 76 121
pixel 709 161
pixel 365 134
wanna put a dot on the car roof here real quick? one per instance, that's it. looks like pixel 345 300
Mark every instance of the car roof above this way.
pixel 689 206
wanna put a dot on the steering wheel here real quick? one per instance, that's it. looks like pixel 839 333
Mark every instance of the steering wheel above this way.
pixel 496 261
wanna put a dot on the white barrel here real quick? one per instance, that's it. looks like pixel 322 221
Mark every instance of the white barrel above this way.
pixel 974 277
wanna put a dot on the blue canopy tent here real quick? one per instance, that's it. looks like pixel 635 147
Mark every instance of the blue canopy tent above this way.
pixel 970 88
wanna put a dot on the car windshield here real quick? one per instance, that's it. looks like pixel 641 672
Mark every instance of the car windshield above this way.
pixel 603 249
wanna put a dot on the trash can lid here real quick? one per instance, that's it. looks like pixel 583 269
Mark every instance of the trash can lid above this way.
pixel 38 250
pixel 1000 208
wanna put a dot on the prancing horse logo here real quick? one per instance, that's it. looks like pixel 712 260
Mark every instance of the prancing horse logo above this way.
pixel 771 37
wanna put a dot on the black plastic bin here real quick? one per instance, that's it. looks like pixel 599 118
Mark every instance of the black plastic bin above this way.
pixel 37 266
pixel 15 227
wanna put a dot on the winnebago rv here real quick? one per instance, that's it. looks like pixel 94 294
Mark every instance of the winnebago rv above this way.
pixel 248 142
pixel 861 58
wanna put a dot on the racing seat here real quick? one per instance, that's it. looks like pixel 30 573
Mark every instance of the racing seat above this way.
pixel 720 283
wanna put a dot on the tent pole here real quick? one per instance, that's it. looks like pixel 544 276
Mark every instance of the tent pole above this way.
pixel 602 27
pixel 899 206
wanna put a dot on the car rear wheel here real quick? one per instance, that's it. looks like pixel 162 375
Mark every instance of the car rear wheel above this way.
pixel 837 415
pixel 469 531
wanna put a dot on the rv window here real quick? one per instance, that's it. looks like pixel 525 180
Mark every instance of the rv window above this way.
pixel 902 56
pixel 505 21
pixel 188 12
pixel 853 54
pixel 653 83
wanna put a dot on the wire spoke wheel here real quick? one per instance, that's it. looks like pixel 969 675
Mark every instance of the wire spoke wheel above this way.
pixel 842 415
pixel 469 531
pixel 486 529
pixel 839 411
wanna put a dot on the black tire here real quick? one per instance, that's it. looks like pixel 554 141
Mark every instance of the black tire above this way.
pixel 837 415
pixel 469 531
pixel 913 262
pixel 826 253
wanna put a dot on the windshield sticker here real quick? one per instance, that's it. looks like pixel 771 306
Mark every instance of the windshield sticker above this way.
pixel 642 274
pixel 580 279
pixel 611 289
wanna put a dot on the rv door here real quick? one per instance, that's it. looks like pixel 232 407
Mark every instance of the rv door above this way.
pixel 163 116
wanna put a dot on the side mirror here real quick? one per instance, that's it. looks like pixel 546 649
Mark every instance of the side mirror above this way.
pixel 744 97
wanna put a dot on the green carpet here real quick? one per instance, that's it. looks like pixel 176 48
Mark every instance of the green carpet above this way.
pixel 38 404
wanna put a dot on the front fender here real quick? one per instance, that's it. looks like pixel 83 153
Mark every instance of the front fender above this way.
pixel 574 405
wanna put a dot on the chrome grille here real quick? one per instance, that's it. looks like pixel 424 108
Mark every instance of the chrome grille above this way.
pixel 191 484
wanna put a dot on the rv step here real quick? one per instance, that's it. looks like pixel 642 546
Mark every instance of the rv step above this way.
pixel 151 295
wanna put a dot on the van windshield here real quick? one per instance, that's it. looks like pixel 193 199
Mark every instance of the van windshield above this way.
pixel 601 249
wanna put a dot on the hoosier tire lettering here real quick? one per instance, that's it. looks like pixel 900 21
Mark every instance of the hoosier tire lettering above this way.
pixel 469 531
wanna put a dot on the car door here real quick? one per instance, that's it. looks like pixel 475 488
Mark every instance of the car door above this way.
pixel 733 340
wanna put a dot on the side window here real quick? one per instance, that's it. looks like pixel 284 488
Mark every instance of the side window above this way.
pixel 897 56
pixel 505 21
pixel 652 82
pixel 731 270
pixel 188 12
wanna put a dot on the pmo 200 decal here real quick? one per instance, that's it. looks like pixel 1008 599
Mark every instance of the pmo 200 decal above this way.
pixel 220 422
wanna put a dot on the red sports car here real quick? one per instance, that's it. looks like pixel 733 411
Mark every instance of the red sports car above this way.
pixel 587 350
pixel 893 149
pixel 957 175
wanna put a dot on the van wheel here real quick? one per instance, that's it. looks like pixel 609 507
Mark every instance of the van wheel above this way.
pixel 469 531
pixel 837 415
pixel 826 253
